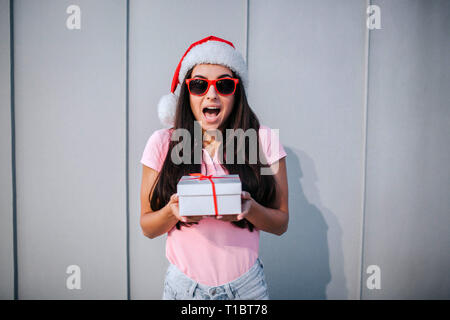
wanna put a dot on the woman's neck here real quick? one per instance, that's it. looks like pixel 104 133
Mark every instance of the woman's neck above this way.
pixel 209 142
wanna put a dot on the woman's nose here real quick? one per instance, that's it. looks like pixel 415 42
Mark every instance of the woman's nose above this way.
pixel 211 94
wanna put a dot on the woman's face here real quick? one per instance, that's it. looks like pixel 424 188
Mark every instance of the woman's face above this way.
pixel 211 119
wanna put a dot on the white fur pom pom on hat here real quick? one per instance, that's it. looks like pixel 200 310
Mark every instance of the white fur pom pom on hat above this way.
pixel 167 106
pixel 212 50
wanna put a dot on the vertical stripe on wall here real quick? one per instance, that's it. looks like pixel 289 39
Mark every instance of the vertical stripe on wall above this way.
pixel 13 152
pixel 127 153
pixel 364 152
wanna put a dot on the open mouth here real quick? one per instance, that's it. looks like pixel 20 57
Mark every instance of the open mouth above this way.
pixel 211 114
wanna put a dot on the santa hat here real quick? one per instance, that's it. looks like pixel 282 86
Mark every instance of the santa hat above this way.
pixel 212 50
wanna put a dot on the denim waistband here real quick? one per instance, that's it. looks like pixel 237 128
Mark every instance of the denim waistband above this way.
pixel 229 287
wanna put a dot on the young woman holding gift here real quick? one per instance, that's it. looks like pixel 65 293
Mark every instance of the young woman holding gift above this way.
pixel 213 257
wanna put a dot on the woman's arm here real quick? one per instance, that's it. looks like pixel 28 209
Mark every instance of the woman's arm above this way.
pixel 270 220
pixel 153 223
pixel 273 220
pixel 156 223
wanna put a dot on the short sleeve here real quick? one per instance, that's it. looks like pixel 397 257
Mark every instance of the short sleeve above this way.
pixel 155 150
pixel 271 144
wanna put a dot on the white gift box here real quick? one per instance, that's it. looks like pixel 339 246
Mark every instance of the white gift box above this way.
pixel 195 195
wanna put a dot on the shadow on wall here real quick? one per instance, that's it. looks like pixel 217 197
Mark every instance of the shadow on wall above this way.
pixel 297 264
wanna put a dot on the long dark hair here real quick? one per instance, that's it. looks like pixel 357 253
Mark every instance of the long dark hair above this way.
pixel 261 187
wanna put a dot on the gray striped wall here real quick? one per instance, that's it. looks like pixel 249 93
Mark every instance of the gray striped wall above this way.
pixel 363 115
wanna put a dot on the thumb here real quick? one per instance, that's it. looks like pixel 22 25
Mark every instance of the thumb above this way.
pixel 245 195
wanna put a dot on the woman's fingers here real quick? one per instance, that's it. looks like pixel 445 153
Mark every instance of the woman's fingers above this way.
pixel 191 218
pixel 195 218
pixel 227 217
pixel 173 198
pixel 245 195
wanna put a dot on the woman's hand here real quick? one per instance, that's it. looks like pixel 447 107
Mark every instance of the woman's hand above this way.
pixel 247 203
pixel 173 205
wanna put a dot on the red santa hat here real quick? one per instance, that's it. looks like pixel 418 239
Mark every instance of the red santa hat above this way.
pixel 211 50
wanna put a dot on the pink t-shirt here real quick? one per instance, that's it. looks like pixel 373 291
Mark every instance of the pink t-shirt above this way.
pixel 212 252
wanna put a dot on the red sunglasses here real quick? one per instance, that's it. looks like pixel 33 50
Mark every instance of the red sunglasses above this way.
pixel 223 86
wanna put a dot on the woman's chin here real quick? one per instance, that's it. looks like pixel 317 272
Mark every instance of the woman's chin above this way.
pixel 210 126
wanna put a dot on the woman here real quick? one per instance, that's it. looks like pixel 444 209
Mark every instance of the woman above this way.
pixel 213 257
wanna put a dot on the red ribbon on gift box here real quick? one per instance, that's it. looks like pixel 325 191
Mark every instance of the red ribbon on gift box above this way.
pixel 199 176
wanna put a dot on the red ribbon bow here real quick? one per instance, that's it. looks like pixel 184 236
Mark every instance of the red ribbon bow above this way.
pixel 199 176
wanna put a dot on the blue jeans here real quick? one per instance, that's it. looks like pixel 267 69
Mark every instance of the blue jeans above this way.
pixel 250 286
